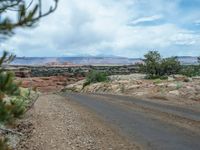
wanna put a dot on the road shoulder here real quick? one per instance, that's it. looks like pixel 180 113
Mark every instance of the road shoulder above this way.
pixel 60 123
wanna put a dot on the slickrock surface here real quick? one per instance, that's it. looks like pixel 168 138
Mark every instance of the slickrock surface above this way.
pixel 178 89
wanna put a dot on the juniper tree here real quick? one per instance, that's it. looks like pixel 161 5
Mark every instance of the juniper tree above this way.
pixel 155 66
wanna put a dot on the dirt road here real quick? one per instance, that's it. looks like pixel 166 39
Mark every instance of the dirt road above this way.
pixel 61 124
pixel 154 126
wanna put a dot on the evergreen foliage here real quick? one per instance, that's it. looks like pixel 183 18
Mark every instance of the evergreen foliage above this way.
pixel 94 77
pixel 170 66
pixel 190 70
pixel 8 88
pixel 157 67
pixel 27 15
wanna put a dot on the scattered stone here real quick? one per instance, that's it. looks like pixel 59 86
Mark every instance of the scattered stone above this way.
pixel 180 77
pixel 62 125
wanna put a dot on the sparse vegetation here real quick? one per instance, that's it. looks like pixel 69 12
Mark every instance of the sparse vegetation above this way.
pixel 94 77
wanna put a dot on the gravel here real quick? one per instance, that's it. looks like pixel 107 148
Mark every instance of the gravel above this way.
pixel 61 124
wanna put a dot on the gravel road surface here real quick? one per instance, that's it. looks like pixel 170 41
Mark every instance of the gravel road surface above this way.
pixel 60 124
pixel 154 126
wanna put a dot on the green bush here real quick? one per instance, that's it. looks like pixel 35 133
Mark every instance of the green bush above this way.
pixel 157 67
pixel 12 99
pixel 18 107
pixel 178 85
pixel 94 77
pixel 152 64
pixel 170 66
pixel 5 114
pixel 190 70
pixel 12 108
pixel 157 81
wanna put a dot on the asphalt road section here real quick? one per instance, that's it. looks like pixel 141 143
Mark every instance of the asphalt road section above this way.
pixel 152 125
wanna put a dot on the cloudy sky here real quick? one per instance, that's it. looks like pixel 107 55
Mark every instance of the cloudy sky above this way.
pixel 127 28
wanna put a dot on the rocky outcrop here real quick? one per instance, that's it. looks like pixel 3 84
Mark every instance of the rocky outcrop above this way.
pixel 137 85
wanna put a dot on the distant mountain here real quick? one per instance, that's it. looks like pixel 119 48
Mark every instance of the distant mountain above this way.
pixel 188 60
pixel 75 60
pixel 90 60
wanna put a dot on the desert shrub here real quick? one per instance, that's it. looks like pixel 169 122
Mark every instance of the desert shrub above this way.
pixel 152 64
pixel 170 66
pixel 94 77
pixel 157 81
pixel 190 70
pixel 157 67
pixel 178 85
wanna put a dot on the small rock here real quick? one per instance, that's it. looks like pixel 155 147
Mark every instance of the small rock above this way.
pixel 133 87
pixel 180 77
pixel 175 92
pixel 172 85
pixel 161 84
pixel 171 79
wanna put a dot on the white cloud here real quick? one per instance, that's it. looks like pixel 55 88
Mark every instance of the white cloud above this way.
pixel 147 19
pixel 95 27
pixel 197 22
pixel 186 39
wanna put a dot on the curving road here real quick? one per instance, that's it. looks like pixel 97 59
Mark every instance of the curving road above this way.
pixel 154 126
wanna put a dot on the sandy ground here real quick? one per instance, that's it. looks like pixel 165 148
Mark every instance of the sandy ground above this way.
pixel 60 124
